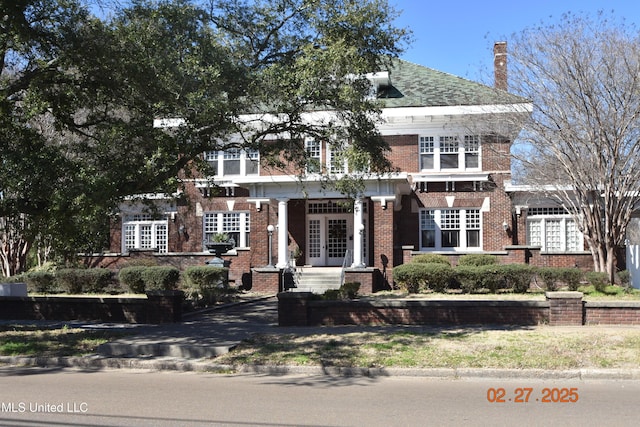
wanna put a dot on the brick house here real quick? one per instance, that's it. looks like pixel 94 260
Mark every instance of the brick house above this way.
pixel 449 195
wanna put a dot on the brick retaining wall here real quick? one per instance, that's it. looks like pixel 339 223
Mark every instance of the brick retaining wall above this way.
pixel 157 307
pixel 560 308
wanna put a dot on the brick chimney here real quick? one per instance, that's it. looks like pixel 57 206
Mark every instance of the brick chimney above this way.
pixel 500 65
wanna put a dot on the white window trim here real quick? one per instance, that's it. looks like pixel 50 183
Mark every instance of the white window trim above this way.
pixel 461 152
pixel 462 230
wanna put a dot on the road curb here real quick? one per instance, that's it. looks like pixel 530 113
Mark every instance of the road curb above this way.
pixel 182 365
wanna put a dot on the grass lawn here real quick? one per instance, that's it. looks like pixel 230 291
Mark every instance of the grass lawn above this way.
pixel 30 340
pixel 542 347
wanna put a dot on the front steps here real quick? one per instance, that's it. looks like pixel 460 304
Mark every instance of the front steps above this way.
pixel 316 279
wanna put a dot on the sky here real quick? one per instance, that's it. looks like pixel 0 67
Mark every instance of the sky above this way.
pixel 457 37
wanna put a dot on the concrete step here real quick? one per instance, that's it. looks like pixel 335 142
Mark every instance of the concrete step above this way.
pixel 163 349
pixel 318 279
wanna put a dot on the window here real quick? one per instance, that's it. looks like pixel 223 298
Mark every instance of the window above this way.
pixel 446 152
pixel 554 230
pixel 236 225
pixel 231 162
pixel 449 152
pixel 234 161
pixel 450 226
pixel 142 231
pixel 473 228
pixel 427 148
pixel 472 151
pixel 314 160
pixel 428 228
pixel 252 162
pixel 450 229
pixel 337 160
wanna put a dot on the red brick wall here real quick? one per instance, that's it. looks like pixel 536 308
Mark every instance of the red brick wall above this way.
pixel 602 313
pixel 404 152
pixel 561 308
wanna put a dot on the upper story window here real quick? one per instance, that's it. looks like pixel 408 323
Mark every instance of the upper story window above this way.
pixel 335 161
pixel 314 156
pixel 234 161
pixel 554 230
pixel 450 229
pixel 142 231
pixel 447 152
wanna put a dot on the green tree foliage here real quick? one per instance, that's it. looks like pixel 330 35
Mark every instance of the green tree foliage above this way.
pixel 79 96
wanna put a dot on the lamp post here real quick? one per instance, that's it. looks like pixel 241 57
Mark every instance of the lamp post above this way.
pixel 270 229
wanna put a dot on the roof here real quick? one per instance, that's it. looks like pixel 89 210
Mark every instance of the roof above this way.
pixel 414 85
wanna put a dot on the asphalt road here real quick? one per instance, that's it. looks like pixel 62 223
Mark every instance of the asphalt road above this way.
pixel 54 397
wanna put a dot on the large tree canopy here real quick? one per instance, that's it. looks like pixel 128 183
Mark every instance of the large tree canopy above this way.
pixel 79 95
pixel 582 145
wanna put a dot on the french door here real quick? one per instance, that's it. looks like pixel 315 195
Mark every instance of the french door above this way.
pixel 329 237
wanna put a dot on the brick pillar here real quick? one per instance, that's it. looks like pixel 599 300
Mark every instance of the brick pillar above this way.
pixel 293 308
pixel 266 280
pixel 164 306
pixel 565 308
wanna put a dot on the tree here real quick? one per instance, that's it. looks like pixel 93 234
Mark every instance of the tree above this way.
pixel 235 73
pixel 582 145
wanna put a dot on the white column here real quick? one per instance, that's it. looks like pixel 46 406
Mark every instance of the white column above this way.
pixel 283 234
pixel 358 230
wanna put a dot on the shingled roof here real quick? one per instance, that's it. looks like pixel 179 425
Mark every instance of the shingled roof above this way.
pixel 414 85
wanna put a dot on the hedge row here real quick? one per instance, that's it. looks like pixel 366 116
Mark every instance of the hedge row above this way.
pixel 69 280
pixel 134 279
pixel 480 275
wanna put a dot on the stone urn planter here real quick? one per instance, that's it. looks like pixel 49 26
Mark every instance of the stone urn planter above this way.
pixel 218 248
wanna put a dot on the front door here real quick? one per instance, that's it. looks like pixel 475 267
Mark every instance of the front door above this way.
pixel 329 238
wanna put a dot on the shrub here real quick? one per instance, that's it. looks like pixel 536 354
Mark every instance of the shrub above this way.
pixel 206 284
pixel 468 277
pixel 551 277
pixel 571 277
pixel 131 278
pixel 69 281
pixel 518 276
pixel 39 281
pixel 414 277
pixel 431 259
pixel 160 278
pixel 79 280
pixel 492 277
pixel 624 277
pixel 598 279
pixel 477 260
pixel 410 277
pixel 350 290
pixel 332 295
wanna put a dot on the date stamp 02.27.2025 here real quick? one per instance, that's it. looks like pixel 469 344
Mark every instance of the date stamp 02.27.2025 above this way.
pixel 530 394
